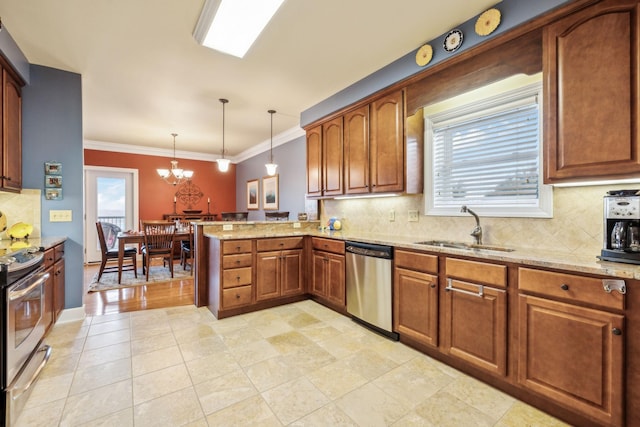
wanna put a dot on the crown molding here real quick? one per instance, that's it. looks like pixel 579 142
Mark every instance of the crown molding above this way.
pixel 280 139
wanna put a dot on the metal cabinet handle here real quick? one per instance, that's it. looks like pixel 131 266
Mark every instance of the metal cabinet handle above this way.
pixel 616 331
pixel 432 285
pixel 450 287
pixel 564 287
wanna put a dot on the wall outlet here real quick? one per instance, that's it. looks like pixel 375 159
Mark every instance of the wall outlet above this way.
pixel 296 225
pixel 413 216
pixel 227 227
pixel 60 216
pixel 392 215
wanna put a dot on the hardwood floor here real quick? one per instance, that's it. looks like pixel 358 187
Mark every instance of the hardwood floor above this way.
pixel 156 295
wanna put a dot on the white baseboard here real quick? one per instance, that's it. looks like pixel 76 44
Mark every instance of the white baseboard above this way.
pixel 71 315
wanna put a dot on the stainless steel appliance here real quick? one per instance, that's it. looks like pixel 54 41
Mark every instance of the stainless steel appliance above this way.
pixel 621 227
pixel 369 286
pixel 24 317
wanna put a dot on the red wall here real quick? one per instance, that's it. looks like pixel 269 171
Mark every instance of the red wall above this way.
pixel 156 196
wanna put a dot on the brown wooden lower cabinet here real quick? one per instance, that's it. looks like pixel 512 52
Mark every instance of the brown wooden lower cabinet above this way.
pixel 416 305
pixel 475 325
pixel 279 273
pixel 573 355
pixel 327 273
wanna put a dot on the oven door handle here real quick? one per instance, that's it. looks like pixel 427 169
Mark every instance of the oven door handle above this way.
pixel 19 391
pixel 14 295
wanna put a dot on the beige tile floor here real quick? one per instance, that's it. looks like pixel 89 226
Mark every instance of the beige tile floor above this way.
pixel 296 365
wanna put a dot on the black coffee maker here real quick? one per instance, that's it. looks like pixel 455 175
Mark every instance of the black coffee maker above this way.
pixel 621 227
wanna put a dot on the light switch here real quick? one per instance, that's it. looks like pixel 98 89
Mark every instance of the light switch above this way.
pixel 60 215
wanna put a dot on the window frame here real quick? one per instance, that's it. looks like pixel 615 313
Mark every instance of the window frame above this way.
pixel 481 105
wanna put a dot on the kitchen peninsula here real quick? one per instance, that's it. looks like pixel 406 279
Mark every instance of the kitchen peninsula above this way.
pixel 495 314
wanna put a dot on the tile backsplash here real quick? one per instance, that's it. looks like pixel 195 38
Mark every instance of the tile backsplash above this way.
pixel 576 226
pixel 22 207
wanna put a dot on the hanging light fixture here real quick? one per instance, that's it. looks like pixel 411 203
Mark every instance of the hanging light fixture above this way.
pixel 223 164
pixel 271 167
pixel 175 175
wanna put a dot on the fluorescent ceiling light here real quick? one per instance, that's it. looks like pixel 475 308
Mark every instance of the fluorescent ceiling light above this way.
pixel 231 26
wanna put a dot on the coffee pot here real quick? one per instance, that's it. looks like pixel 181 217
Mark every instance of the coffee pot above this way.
pixel 633 237
pixel 619 235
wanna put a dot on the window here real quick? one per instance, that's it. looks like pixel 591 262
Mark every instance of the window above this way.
pixel 487 154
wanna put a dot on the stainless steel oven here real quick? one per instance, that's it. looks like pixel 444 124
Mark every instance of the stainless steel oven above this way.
pixel 24 320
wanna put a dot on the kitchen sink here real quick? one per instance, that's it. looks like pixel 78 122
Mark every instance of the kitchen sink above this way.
pixel 460 245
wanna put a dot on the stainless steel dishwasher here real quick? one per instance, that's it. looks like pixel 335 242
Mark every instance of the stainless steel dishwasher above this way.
pixel 369 286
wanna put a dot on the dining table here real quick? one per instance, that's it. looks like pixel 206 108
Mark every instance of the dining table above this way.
pixel 137 237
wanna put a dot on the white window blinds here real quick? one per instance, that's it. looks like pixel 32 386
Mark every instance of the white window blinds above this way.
pixel 487 154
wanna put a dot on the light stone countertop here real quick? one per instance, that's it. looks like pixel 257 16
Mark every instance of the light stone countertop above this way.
pixel 585 263
pixel 38 242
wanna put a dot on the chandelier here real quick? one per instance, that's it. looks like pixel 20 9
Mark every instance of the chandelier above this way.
pixel 271 167
pixel 175 175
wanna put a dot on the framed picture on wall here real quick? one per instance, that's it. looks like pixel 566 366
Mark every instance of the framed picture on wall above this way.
pixel 253 196
pixel 53 193
pixel 270 197
pixel 53 181
pixel 53 168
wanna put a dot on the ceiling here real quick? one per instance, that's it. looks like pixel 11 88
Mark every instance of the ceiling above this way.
pixel 144 76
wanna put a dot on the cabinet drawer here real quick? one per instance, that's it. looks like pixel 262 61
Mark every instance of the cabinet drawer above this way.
pixel 264 245
pixel 236 277
pixel 236 296
pixel 236 261
pixel 49 257
pixel 236 246
pixel 58 252
pixel 481 272
pixel 569 286
pixel 416 261
pixel 328 245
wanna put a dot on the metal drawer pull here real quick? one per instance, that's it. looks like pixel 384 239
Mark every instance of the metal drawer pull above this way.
pixel 614 285
pixel 450 287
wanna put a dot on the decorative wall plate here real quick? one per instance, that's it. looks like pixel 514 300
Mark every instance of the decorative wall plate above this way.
pixel 453 40
pixel 487 22
pixel 424 55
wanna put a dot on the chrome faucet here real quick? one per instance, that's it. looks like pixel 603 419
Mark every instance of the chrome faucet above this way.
pixel 477 231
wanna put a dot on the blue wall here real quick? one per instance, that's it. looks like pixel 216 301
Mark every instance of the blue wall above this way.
pixel 291 159
pixel 513 14
pixel 52 131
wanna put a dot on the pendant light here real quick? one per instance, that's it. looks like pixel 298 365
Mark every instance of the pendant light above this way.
pixel 271 167
pixel 223 164
pixel 175 175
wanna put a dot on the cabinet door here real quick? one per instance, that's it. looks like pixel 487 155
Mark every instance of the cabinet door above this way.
pixel 332 155
pixel 49 286
pixel 591 95
pixel 335 277
pixel 356 151
pixel 319 274
pixel 475 325
pixel 415 302
pixel 573 355
pixel 58 288
pixel 291 272
pixel 387 144
pixel 314 161
pixel 267 275
pixel 12 133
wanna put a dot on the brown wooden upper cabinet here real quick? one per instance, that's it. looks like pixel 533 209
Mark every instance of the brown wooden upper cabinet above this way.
pixel 361 151
pixel 591 94
pixel 325 165
pixel 11 152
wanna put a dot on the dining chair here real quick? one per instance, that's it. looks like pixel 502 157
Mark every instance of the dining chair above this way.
pixel 186 246
pixel 109 250
pixel 158 243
